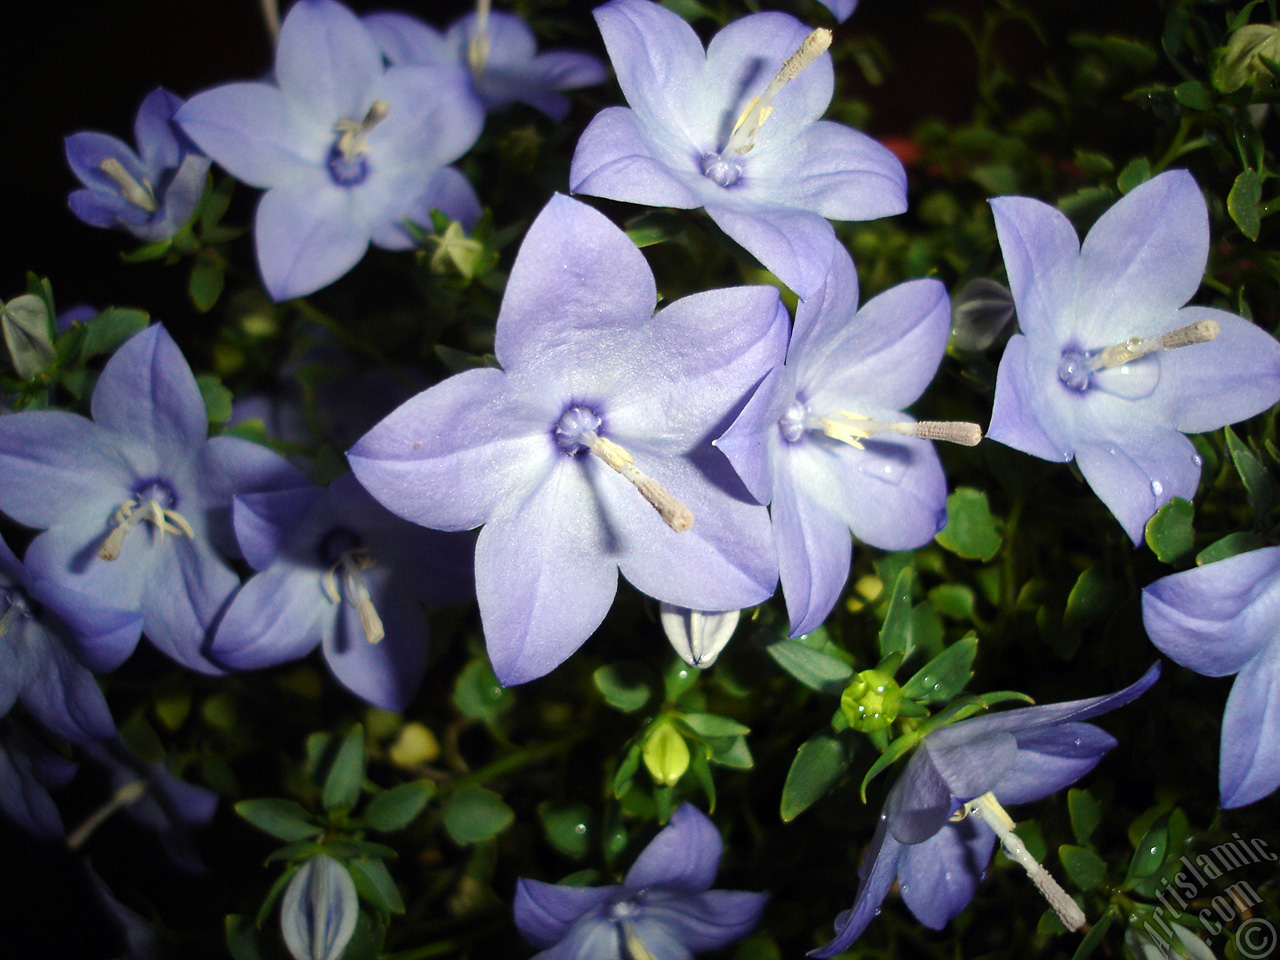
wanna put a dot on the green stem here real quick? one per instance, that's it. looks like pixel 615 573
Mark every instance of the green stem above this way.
pixel 514 762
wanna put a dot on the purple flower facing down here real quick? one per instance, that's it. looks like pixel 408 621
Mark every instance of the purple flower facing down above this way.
pixel 1111 368
pixel 940 821
pixel 37 665
pixel 28 771
pixel 319 910
pixel 735 129
pixel 341 571
pixel 823 442
pixel 346 148
pixel 1220 619
pixel 151 193
pixel 664 907
pixel 133 505
pixel 599 406
pixel 499 52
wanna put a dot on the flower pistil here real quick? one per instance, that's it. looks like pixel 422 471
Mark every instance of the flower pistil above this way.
pixel 133 511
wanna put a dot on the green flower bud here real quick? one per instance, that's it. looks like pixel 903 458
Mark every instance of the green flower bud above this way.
pixel 871 701
pixel 665 754
pixel 25 321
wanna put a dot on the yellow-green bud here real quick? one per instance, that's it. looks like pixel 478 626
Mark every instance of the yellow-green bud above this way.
pixel 665 754
pixel 871 701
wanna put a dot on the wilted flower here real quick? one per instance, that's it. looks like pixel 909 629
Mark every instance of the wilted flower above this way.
pixel 664 907
pixel 499 52
pixel 1224 618
pixel 346 148
pixel 151 193
pixel 589 451
pixel 735 129
pixel 1111 368
pixel 942 817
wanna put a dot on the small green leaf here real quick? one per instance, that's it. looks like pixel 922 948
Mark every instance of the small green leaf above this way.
pixel 1194 95
pixel 1244 203
pixel 656 226
pixel 1229 546
pixel 1096 934
pixel 818 766
pixel 1258 482
pixel 567 827
pixel 1149 853
pixel 1136 171
pixel 1085 812
pixel 626 771
pixel 732 752
pixel 710 725
pixel 283 819
pixel 242 938
pixel 112 327
pixel 814 668
pixel 1092 595
pixel 971 531
pixel 375 885
pixel 896 632
pixel 892 752
pixel 478 694
pixel 954 600
pixel 217 398
pixel 475 814
pixel 1170 533
pixel 208 276
pixel 946 674
pixel 1085 868
pixel 398 807
pixel 346 774
pixel 275 893
pixel 625 686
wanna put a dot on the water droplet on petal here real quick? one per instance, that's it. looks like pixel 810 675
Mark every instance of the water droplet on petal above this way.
pixel 1157 488
pixel 906 888
pixel 883 468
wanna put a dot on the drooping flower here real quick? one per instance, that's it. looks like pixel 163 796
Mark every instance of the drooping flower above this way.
pixel 942 817
pixel 500 54
pixel 319 910
pixel 151 193
pixel 346 148
pixel 1111 368
pixel 28 771
pixel 341 571
pixel 37 665
pixel 1220 619
pixel 735 129
pixel 134 505
pixel 823 441
pixel 664 907
pixel 600 406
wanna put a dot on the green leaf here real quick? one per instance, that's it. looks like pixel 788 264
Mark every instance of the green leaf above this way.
pixel 217 398
pixel 818 766
pixel 1096 934
pixel 1136 171
pixel 367 941
pixel 1085 812
pixel 375 885
pixel 1085 868
pixel 398 807
pixel 1258 482
pixel 971 531
pixel 1229 546
pixel 815 668
pixel 1094 164
pixel 283 819
pixel 475 814
pixel 732 752
pixel 946 674
pixel 700 767
pixel 1089 600
pixel 346 774
pixel 656 226
pixel 678 679
pixel 895 632
pixel 208 276
pixel 711 725
pixel 567 827
pixel 1149 852
pixel 626 771
pixel 1244 203
pixel 891 753
pixel 625 686
pixel 242 938
pixel 1170 533
pixel 275 893
pixel 1194 95
pixel 954 600
pixel 478 694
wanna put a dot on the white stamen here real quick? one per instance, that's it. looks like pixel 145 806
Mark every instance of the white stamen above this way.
pixel 853 428
pixel 353 563
pixel 127 516
pixel 673 513
pixel 742 139
pixel 126 795
pixel 989 811
pixel 138 193
pixel 635 946
pixel 1202 331
pixel 478 45
pixel 354 139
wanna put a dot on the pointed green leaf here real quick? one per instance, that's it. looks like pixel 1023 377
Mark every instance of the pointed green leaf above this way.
pixel 475 814
pixel 375 885
pixel 567 826
pixel 398 807
pixel 946 674
pixel 1244 203
pixel 1096 934
pixel 1085 812
pixel 1258 482
pixel 1229 546
pixel 896 632
pixel 818 766
pixel 626 685
pixel 346 774
pixel 283 819
pixel 815 669
pixel 1085 868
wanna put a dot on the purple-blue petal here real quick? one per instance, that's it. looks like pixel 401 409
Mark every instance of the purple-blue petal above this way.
pixel 1050 759
pixel 937 878
pixel 307 233
pixel 794 245
pixel 814 551
pixel 154 131
pixel 1041 250
pixel 617 159
pixel 683 857
pixel 387 673
pixel 263 520
pixel 876 876
pixel 544 912
pixel 1250 764
pixel 751 442
pixel 274 618
pixel 326 61
pixel 704 921
pixel 1018 415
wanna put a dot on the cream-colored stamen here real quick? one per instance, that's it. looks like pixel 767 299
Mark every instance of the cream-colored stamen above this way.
pixel 354 139
pixel 128 516
pixel 989 811
pixel 853 428
pixel 635 946
pixel 673 513
pixel 130 793
pixel 137 192
pixel 742 140
pixel 478 45
pixel 1202 331
pixel 354 563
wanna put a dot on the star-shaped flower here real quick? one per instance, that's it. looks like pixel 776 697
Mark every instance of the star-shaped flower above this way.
pixel 941 819
pixel 822 440
pixel 500 54
pixel 600 406
pixel 151 193
pixel 735 129
pixel 346 148
pixel 664 907
pixel 134 505
pixel 341 571
pixel 1111 368
pixel 1224 618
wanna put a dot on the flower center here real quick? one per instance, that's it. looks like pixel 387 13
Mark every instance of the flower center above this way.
pixel 153 499
pixel 137 192
pixel 792 423
pixel 576 431
pixel 720 171
pixel 341 549
pixel 347 161
pixel 1076 368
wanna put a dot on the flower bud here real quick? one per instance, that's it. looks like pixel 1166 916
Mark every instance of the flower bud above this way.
pixel 665 754
pixel 319 910
pixel 871 701
pixel 697 637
